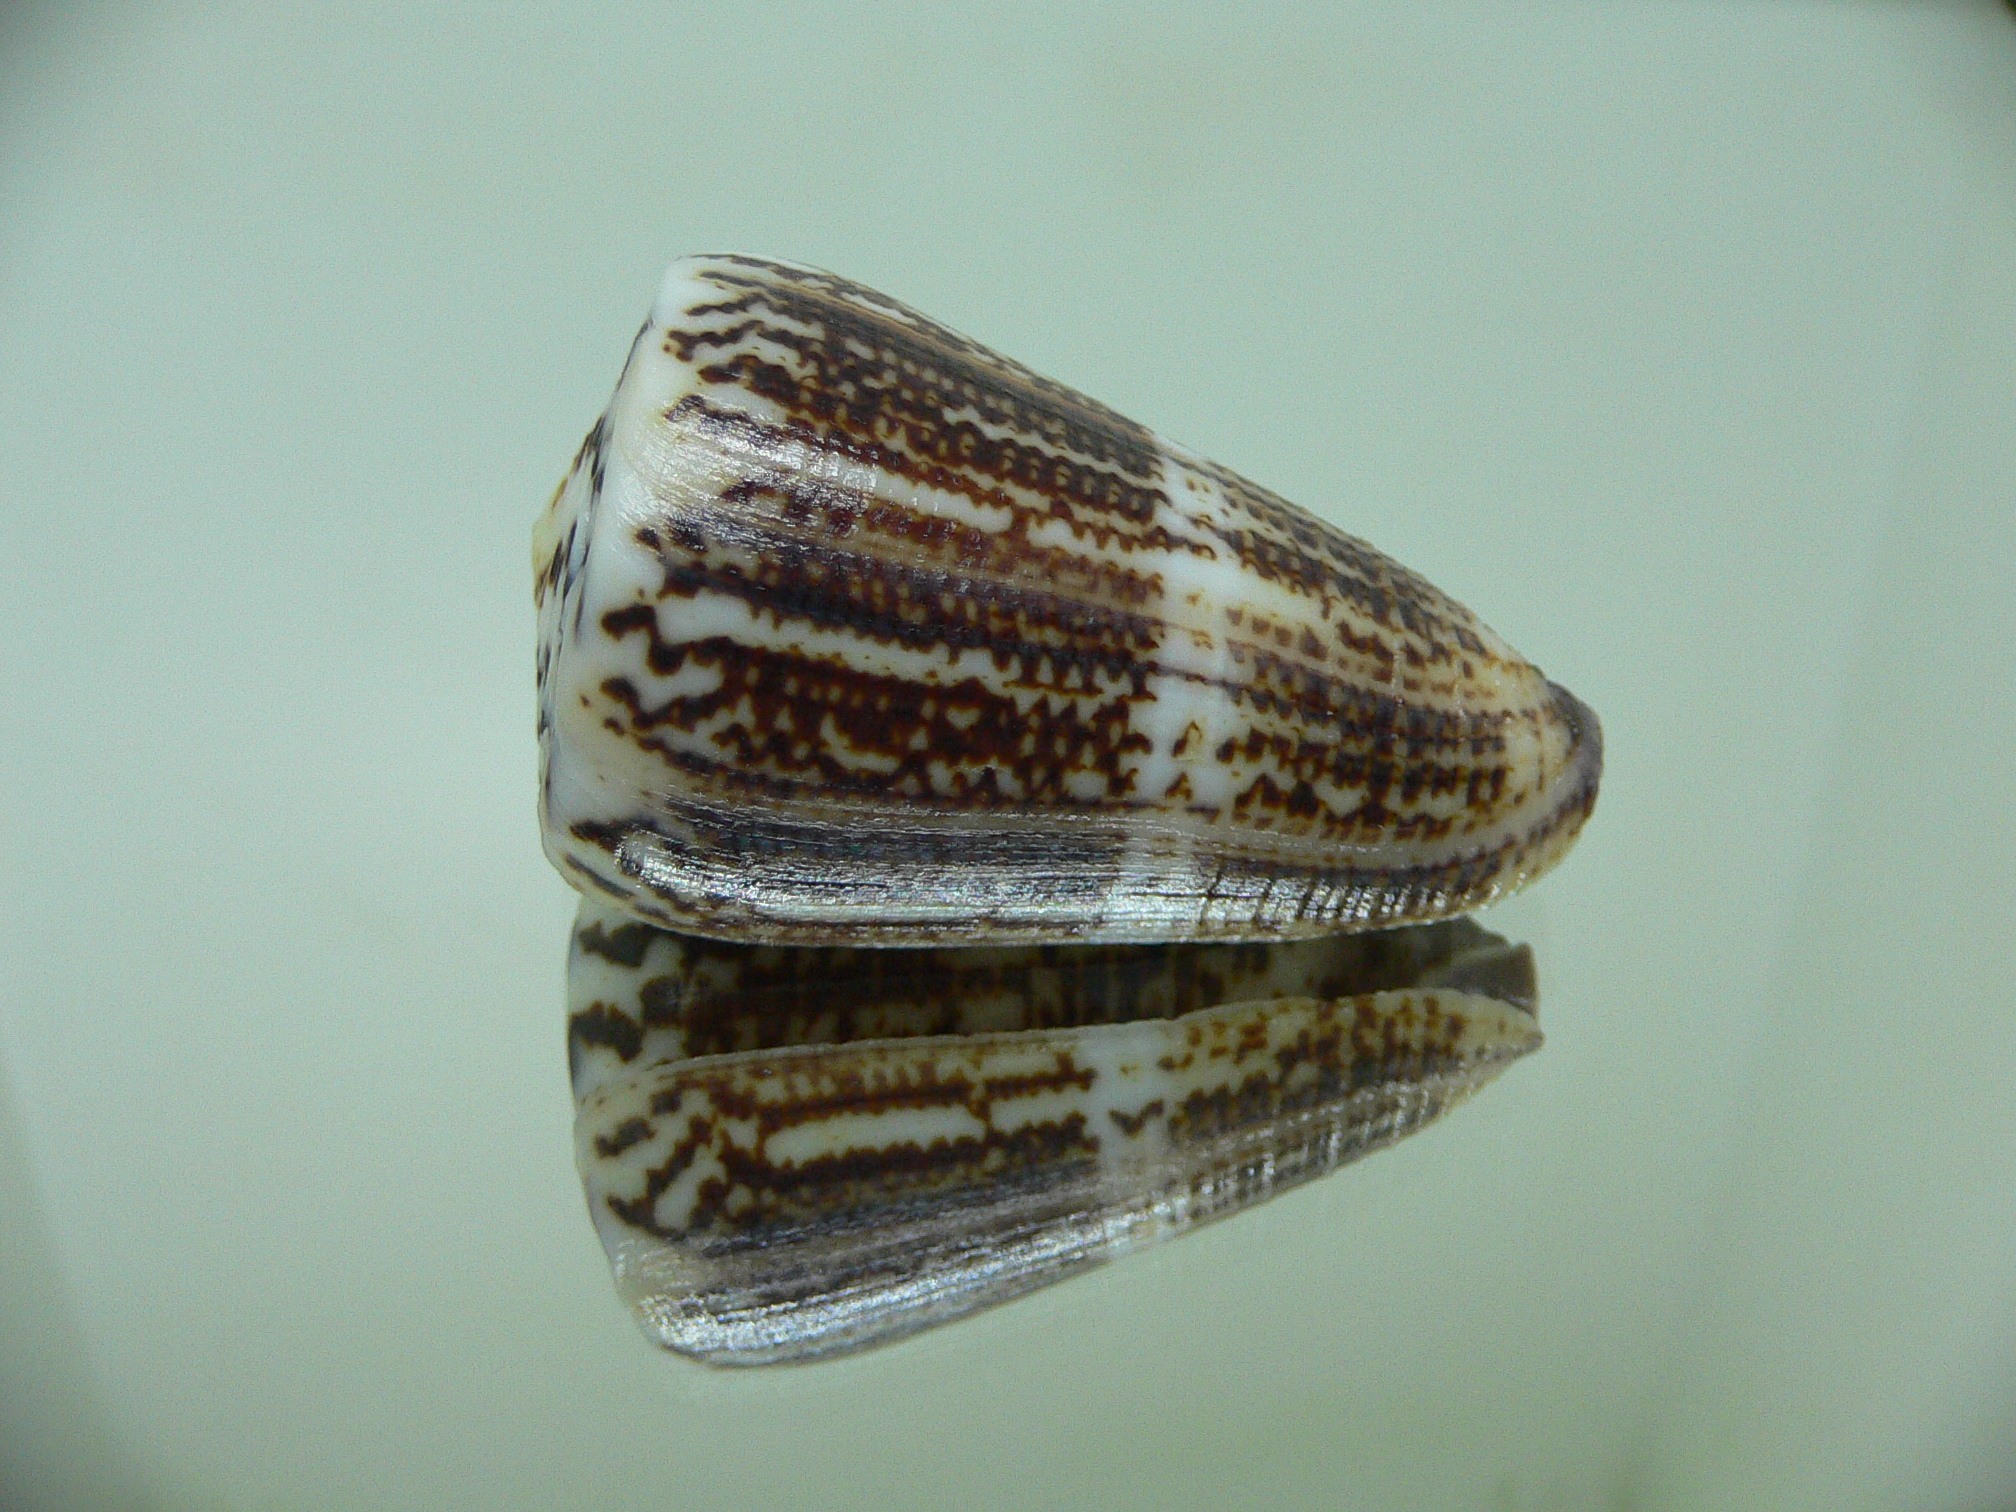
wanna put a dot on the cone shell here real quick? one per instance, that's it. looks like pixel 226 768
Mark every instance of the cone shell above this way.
pixel 852 630
pixel 791 1153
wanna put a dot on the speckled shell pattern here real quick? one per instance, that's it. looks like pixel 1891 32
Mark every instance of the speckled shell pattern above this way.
pixel 792 1153
pixel 852 631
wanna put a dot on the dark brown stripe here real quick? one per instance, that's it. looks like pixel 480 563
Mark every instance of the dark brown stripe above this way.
pixel 867 379
pixel 982 736
pixel 1354 1047
pixel 1011 543
pixel 625 945
pixel 872 363
pixel 1082 602
pixel 755 1192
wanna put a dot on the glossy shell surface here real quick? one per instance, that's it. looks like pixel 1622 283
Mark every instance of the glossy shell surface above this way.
pixel 852 630
pixel 1007 838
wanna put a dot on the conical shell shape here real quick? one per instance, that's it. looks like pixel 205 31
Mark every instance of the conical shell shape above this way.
pixel 852 630
pixel 791 1153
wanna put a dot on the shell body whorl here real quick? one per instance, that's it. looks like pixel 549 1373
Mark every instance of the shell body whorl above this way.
pixel 852 631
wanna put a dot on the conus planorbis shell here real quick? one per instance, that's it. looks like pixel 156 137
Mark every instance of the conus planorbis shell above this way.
pixel 794 1152
pixel 854 631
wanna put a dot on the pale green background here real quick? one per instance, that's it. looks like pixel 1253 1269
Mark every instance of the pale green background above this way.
pixel 1679 340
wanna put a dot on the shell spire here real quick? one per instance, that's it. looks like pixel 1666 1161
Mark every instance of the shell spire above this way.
pixel 854 631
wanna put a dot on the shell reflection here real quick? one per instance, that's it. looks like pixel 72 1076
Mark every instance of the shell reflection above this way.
pixel 793 1152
